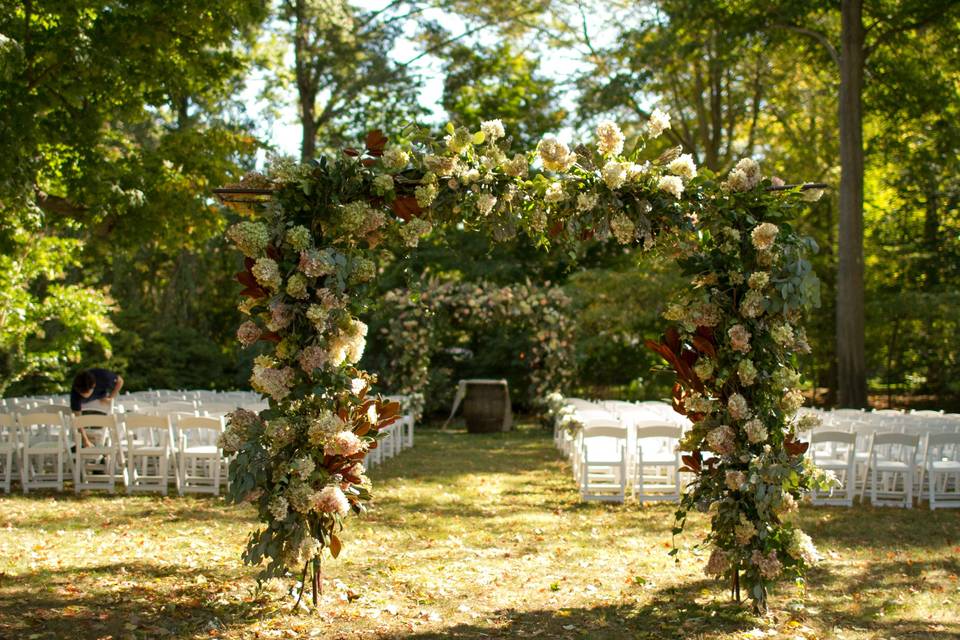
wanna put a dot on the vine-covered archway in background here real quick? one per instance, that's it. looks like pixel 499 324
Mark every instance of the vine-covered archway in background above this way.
pixel 430 318
pixel 731 338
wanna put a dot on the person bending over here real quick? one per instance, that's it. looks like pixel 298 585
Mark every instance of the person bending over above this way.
pixel 94 386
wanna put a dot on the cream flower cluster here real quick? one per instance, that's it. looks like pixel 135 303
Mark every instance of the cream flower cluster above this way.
pixel 555 155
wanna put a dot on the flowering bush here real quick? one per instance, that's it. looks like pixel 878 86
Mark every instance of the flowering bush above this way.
pixel 412 335
pixel 309 266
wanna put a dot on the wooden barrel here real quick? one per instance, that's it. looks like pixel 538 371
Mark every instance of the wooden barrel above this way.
pixel 486 406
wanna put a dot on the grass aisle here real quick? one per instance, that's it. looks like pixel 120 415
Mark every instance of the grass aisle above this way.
pixel 470 537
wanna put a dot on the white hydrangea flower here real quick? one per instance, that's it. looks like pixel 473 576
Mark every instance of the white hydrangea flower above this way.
pixel 745 176
pixel 395 158
pixel 609 139
pixel 492 130
pixel 658 123
pixel 683 167
pixel 485 203
pixel 614 173
pixel 672 185
pixel 555 192
pixel 587 201
pixel 556 156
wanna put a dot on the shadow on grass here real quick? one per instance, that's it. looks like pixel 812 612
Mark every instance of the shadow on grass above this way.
pixel 151 601
pixel 900 528
pixel 669 613
pixel 135 510
pixel 873 596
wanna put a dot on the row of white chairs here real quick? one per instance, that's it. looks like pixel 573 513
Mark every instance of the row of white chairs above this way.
pixel 144 452
pixel 621 447
pixel 38 442
pixel 894 457
pixel 398 435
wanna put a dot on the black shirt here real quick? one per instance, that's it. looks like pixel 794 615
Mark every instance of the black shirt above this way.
pixel 105 382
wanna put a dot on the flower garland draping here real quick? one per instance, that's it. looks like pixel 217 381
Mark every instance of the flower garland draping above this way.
pixel 309 267
pixel 411 335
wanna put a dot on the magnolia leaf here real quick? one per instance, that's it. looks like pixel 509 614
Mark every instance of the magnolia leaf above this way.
pixel 670 155
pixel 363 429
pixel 406 207
pixel 376 142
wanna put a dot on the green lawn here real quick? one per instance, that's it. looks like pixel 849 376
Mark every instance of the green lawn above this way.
pixel 470 537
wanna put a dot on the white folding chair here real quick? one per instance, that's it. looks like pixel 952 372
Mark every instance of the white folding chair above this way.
pixel 199 454
pixel 149 452
pixel 44 440
pixel 893 458
pixel 9 449
pixel 841 460
pixel 94 467
pixel 656 463
pixel 603 462
pixel 170 407
pixel 388 444
pixel 216 409
pixel 62 409
pixel 940 465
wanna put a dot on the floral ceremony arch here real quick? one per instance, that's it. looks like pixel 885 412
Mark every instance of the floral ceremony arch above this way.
pixel 731 339
pixel 412 335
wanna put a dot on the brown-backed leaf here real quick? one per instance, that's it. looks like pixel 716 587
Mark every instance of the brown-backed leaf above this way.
pixel 406 207
pixel 692 461
pixel 376 142
pixel 704 346
pixel 388 409
pixel 556 229
pixel 796 448
pixel 671 338
pixel 335 545
pixel 350 151
pixel 363 429
pixel 270 336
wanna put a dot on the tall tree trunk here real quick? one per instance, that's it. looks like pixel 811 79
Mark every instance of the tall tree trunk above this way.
pixel 306 84
pixel 931 233
pixel 851 362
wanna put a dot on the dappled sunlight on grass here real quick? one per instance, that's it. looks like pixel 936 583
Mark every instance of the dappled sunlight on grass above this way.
pixel 469 537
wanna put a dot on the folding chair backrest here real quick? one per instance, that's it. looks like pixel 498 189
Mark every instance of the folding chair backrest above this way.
pixel 896 446
pixel 51 408
pixel 843 437
pixel 607 430
pixel 901 439
pixel 8 429
pixel 938 443
pixel 199 430
pixel 661 431
pixel 150 430
pixel 42 427
pixel 100 429
pixel 847 413
pixel 216 409
pixel 177 406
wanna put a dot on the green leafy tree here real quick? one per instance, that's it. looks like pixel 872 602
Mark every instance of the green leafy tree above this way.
pixel 500 82
pixel 116 121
